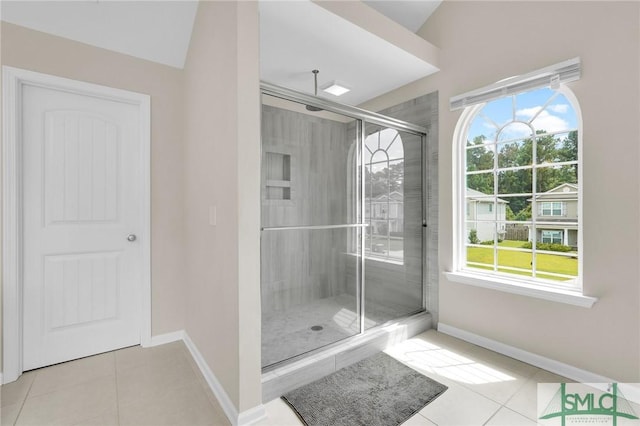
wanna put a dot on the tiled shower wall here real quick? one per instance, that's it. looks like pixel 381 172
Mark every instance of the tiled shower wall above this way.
pixel 424 111
pixel 301 266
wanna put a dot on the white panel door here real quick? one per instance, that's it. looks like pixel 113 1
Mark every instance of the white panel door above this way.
pixel 82 202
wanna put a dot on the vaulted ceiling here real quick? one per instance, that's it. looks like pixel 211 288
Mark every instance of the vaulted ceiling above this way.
pixel 296 37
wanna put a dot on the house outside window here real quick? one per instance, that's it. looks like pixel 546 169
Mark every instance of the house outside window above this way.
pixel 559 216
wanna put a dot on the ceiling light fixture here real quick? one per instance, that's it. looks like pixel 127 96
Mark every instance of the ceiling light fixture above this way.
pixel 335 88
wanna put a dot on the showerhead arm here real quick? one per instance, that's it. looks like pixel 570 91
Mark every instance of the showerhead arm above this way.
pixel 315 86
pixel 315 81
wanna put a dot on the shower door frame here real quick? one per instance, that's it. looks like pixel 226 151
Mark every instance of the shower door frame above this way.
pixel 362 117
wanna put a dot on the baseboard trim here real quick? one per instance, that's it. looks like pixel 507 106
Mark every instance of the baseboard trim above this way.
pixel 163 339
pixel 631 390
pixel 246 417
pixel 1 379
pixel 217 389
pixel 252 415
pixel 548 364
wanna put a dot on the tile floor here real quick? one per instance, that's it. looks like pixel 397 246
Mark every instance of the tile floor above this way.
pixel 485 388
pixel 133 386
pixel 163 386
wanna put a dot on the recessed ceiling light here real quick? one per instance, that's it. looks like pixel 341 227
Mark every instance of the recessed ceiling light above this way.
pixel 336 88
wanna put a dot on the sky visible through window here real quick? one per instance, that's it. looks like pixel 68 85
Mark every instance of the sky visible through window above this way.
pixel 557 116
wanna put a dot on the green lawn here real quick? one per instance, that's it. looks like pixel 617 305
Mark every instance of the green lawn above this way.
pixel 509 243
pixel 545 262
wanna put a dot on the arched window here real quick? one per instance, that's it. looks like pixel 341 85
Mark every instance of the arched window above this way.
pixel 518 190
pixel 384 195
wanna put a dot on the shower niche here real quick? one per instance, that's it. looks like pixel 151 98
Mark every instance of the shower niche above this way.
pixel 277 167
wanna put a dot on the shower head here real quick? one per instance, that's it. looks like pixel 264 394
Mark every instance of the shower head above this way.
pixel 315 81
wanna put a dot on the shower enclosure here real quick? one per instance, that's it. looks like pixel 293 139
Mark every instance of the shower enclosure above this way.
pixel 342 223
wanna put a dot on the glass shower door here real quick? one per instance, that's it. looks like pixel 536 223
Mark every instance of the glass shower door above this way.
pixel 311 229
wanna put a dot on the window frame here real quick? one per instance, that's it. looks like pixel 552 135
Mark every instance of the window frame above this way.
pixel 551 238
pixel 534 287
pixel 552 208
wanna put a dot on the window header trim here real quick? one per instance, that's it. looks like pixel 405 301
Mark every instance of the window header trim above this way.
pixel 551 76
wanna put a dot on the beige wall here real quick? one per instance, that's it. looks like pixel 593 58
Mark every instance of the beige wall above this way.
pixel 249 155
pixel 483 42
pixel 36 51
pixel 222 164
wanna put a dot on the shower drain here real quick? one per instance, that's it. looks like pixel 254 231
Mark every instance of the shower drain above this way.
pixel 316 328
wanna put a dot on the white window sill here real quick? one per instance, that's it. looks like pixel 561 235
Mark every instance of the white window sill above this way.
pixel 522 288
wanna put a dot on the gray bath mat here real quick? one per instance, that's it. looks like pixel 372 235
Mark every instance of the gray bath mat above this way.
pixel 377 391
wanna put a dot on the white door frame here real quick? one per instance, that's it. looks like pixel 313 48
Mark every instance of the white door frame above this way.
pixel 13 81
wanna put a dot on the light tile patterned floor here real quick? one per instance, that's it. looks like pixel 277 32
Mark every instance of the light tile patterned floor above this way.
pixel 163 386
pixel 133 386
pixel 485 388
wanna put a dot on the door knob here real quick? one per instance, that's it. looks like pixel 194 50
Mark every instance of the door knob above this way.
pixel 131 237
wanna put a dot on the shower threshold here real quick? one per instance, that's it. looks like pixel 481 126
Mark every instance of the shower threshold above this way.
pixel 293 373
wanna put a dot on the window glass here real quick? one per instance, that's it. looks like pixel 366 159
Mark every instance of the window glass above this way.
pixel 521 189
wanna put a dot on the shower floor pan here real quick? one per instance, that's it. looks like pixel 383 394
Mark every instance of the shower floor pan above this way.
pixel 318 363
pixel 307 327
